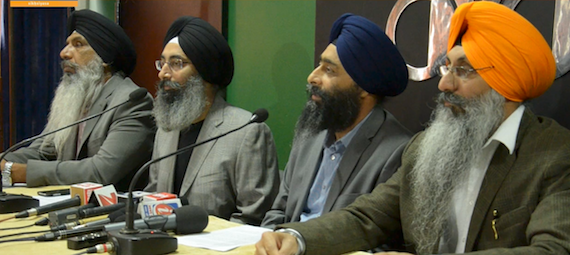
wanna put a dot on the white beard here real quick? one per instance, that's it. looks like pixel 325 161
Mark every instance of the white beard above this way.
pixel 73 98
pixel 178 108
pixel 451 146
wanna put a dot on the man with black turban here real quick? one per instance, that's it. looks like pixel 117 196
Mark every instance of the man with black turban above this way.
pixel 345 142
pixel 487 176
pixel 96 61
pixel 235 177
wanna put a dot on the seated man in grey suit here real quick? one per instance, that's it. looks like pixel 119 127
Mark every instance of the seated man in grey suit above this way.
pixel 235 177
pixel 345 142
pixel 108 149
pixel 487 177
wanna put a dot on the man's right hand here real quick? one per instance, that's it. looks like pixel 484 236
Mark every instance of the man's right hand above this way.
pixel 272 243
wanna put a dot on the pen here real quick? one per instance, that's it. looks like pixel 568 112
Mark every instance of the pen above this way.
pixel 494 222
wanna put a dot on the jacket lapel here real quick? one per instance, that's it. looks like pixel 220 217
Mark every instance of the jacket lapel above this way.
pixel 496 173
pixel 498 170
pixel 70 147
pixel 210 129
pixel 360 142
pixel 310 167
pixel 98 106
pixel 168 144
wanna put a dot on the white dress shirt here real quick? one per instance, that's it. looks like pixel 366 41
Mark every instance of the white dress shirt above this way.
pixel 465 197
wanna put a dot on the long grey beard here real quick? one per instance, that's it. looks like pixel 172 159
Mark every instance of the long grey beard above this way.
pixel 452 145
pixel 73 98
pixel 178 108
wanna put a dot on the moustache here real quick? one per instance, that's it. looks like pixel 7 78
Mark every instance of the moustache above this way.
pixel 171 84
pixel 314 90
pixel 453 99
pixel 68 63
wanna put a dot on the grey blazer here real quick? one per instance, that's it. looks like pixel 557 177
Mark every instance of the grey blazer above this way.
pixel 235 177
pixel 371 158
pixel 113 145
pixel 530 189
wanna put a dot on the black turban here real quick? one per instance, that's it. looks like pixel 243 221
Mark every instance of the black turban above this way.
pixel 105 37
pixel 206 47
pixel 369 56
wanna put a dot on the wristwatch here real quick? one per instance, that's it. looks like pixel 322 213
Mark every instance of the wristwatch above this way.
pixel 7 174
pixel 300 240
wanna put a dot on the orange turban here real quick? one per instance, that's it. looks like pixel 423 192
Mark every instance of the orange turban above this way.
pixel 494 35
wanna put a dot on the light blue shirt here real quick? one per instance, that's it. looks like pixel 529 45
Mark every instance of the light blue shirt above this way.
pixel 332 155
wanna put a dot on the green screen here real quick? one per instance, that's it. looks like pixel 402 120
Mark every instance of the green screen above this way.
pixel 273 47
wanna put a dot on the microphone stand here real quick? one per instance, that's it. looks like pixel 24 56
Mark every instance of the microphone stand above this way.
pixel 10 203
pixel 132 241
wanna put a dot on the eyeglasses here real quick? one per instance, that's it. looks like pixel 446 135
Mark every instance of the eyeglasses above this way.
pixel 459 71
pixel 175 64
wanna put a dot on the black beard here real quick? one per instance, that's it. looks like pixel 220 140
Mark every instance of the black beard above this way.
pixel 335 112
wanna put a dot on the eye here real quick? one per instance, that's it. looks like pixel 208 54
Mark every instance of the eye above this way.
pixel 461 71
pixel 329 69
pixel 179 63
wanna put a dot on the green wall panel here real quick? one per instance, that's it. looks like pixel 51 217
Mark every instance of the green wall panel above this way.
pixel 273 46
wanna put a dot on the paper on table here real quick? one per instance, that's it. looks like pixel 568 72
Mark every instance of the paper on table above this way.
pixel 49 200
pixel 225 239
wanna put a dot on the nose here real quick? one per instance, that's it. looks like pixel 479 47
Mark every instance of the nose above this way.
pixel 65 53
pixel 164 73
pixel 314 77
pixel 447 83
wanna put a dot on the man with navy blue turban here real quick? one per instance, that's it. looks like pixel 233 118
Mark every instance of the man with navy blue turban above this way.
pixel 345 142
pixel 97 59
pixel 235 177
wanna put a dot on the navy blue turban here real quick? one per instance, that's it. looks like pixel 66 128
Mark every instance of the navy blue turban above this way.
pixel 369 56
pixel 205 47
pixel 106 38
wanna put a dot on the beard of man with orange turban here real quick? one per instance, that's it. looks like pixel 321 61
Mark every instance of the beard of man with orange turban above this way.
pixel 451 148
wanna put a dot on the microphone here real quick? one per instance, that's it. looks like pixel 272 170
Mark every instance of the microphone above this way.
pixel 74 224
pixel 13 203
pixel 129 239
pixel 66 215
pixel 260 115
pixel 188 219
pixel 185 220
pixel 49 208
pixel 92 212
pixel 69 219
pixel 116 216
pixel 88 224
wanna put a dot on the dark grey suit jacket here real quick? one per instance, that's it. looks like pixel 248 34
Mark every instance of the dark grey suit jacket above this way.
pixel 371 158
pixel 530 189
pixel 113 146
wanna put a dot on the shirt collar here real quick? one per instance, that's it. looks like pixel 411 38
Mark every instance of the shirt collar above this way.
pixel 508 130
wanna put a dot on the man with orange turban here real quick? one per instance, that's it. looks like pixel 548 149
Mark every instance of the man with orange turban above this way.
pixel 487 176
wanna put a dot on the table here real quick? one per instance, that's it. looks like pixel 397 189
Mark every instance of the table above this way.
pixel 60 246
